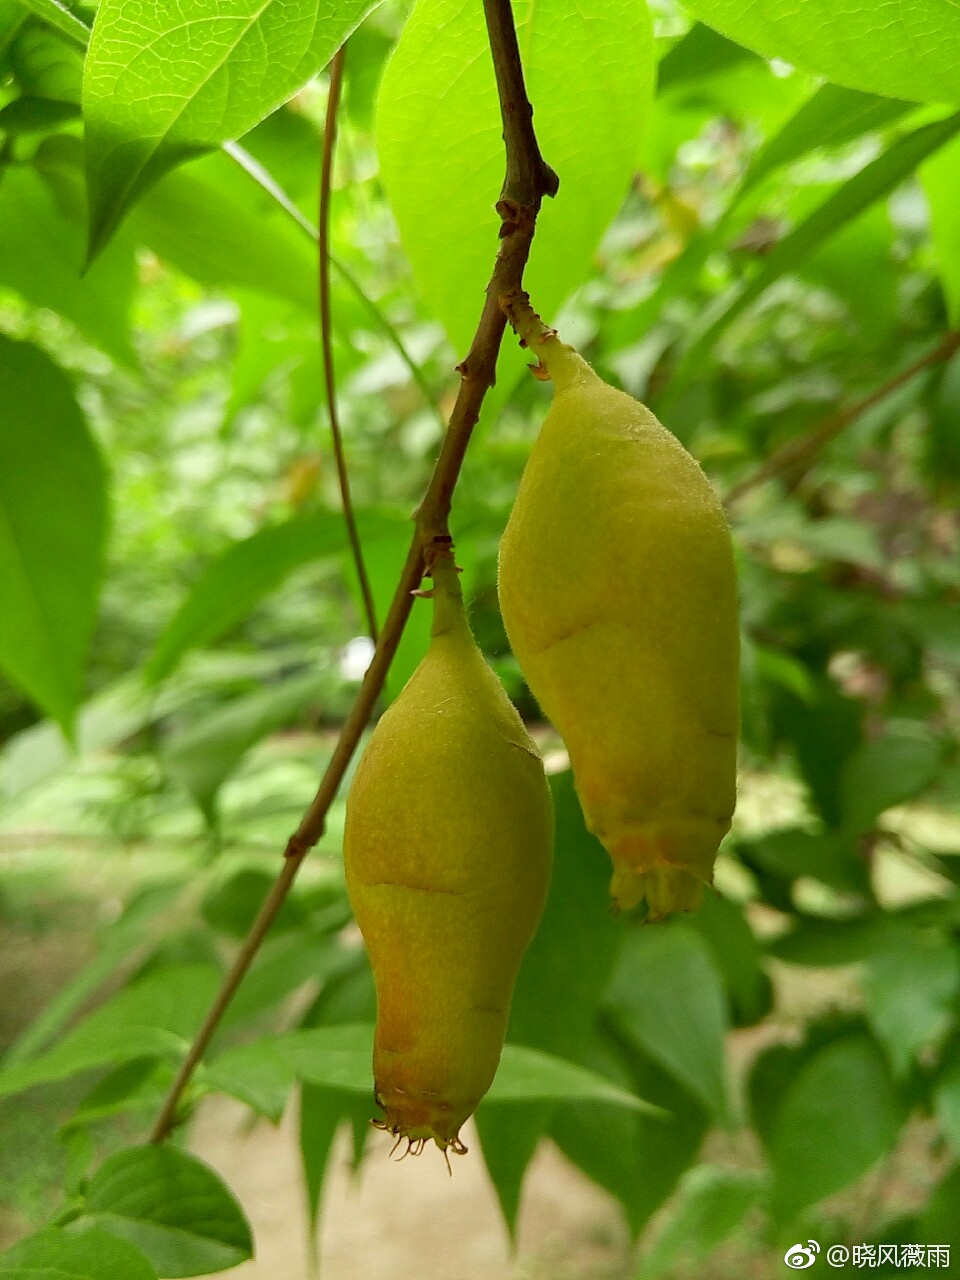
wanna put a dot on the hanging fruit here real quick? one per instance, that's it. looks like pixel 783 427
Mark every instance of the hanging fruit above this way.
pixel 618 593
pixel 447 849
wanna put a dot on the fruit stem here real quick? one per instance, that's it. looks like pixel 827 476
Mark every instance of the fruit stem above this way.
pixel 556 360
pixel 448 611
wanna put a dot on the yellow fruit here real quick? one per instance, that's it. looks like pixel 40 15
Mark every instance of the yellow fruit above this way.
pixel 618 593
pixel 447 849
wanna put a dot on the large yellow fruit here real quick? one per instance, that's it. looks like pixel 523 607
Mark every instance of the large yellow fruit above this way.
pixel 618 593
pixel 447 848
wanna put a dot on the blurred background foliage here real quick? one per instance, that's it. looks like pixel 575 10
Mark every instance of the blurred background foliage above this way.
pixel 749 250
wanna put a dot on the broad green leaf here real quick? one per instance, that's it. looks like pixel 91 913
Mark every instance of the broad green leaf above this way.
pixel 261 1074
pixel 12 16
pixel 910 51
pixel 939 1222
pixel 873 182
pixel 29 114
pixel 41 257
pixel 940 176
pixel 669 999
pixel 53 521
pixel 711 1203
pixel 340 1057
pixel 38 753
pixel 59 16
pixel 826 943
pixel 283 965
pixel 165 84
pixel 135 929
pixel 135 1086
pixel 510 1133
pixel 207 226
pixel 568 965
pixel 946 1097
pixel 884 772
pixel 562 979
pixel 172 1206
pixel 637 1158
pixel 210 221
pixel 155 1017
pixel 46 64
pixel 738 956
pixel 60 1255
pixel 839 1115
pixel 204 754
pixel 828 856
pixel 700 53
pixel 438 114
pixel 526 1075
pixel 831 117
pixel 909 988
pixel 233 584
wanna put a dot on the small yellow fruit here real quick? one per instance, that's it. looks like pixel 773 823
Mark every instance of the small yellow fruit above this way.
pixel 447 849
pixel 618 593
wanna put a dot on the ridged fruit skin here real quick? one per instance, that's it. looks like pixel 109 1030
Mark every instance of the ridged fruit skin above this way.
pixel 618 592
pixel 448 848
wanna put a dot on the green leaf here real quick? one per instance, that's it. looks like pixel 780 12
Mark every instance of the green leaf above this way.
pixel 669 999
pixel 207 225
pixel 874 181
pixel 173 1207
pixel 59 1255
pixel 908 52
pixel 637 1158
pixel 204 754
pixel 210 221
pixel 116 712
pixel 237 580
pixel 828 856
pixel 737 955
pixel 838 1116
pixel 155 1017
pixel 53 520
pixel 131 931
pixel 700 53
pixel 261 1074
pixel 562 979
pixel 570 961
pixel 41 256
pixel 831 117
pixel 946 1097
pixel 526 1075
pixel 941 186
pixel 510 1134
pixel 63 19
pixel 340 1057
pixel 438 114
pixel 165 84
pixel 939 1223
pixel 12 16
pixel 885 772
pixel 29 114
pixel 910 985
pixel 711 1203
pixel 825 943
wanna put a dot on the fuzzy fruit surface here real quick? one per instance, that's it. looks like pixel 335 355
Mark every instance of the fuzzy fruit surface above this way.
pixel 618 593
pixel 447 849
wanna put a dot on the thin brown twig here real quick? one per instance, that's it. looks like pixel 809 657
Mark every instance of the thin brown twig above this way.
pixel 799 453
pixel 326 334
pixel 528 179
